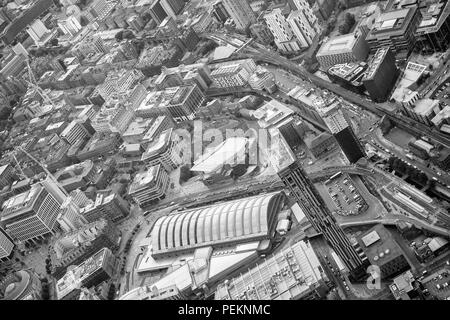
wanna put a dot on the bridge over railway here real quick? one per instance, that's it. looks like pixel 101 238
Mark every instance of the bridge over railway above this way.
pixel 330 171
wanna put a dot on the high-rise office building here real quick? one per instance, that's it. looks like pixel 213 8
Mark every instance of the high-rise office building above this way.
pixel 6 246
pixel 241 13
pixel 340 126
pixel 161 9
pixel 219 11
pixel 396 29
pixel 304 23
pixel 33 214
pixel 285 39
pixel 381 74
pixel 315 209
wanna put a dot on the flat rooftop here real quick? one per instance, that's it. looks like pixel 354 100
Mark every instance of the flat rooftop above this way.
pixel 395 22
pixel 379 245
pixel 339 44
pixel 143 179
pixel 21 203
pixel 231 151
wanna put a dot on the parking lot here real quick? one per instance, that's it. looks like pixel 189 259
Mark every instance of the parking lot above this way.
pixel 438 284
pixel 345 196
pixel 443 93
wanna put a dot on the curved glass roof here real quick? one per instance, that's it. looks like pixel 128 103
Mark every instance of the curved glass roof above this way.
pixel 220 223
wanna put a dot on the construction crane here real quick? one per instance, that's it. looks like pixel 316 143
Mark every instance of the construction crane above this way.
pixel 33 84
pixel 44 167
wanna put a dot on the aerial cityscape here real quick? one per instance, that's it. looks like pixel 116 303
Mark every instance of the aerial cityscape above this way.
pixel 224 150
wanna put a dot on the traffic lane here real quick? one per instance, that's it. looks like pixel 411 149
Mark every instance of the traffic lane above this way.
pixel 322 249
pixel 401 155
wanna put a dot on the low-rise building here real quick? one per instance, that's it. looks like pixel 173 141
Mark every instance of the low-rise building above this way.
pixel 164 150
pixel 350 47
pixel 98 268
pixel 112 207
pixel 298 272
pixel 74 247
pixel 383 251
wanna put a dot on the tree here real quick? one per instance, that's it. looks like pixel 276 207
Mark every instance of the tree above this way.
pixel 185 173
pixel 84 21
pixel 128 34
pixel 119 36
pixel 54 42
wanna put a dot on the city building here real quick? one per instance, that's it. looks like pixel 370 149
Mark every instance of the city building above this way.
pixel 381 75
pixel 38 32
pixel 32 215
pixel 7 175
pixel 206 226
pixel 219 11
pixel 339 125
pixel 164 150
pixel 70 26
pixel 432 34
pixel 261 33
pixel 350 47
pixel 396 29
pixel 304 23
pixel 383 251
pixel 109 206
pixel 402 287
pixel 153 293
pixel 100 144
pixel 303 278
pixel 115 119
pixel 349 75
pixel 6 246
pixel 76 246
pixel 406 92
pixel 22 285
pixel 158 125
pixel 149 186
pixel 263 79
pixel 315 209
pixel 229 76
pixel 78 176
pixel 321 145
pixel 77 130
pixel 137 130
pixel 184 102
pixel 227 160
pixel 96 269
pixel 281 30
pixel 274 114
pixel 423 110
pixel 241 13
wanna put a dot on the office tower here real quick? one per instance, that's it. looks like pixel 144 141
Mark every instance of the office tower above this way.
pixel 304 23
pixel 6 246
pixel 396 29
pixel 381 74
pixel 32 215
pixel 241 13
pixel 285 39
pixel 350 47
pixel 219 11
pixel 315 209
pixel 339 125
pixel 70 26
pixel 162 9
pixel 76 131
pixel 37 30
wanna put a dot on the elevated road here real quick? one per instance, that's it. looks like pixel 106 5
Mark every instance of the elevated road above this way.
pixel 258 52
pixel 393 219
